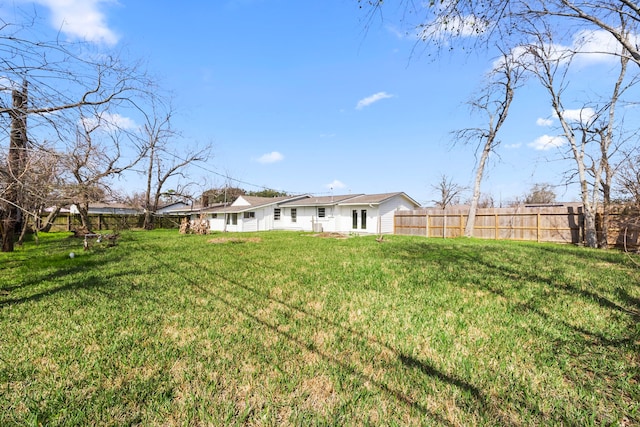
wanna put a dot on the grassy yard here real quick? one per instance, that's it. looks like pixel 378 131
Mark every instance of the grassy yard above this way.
pixel 286 328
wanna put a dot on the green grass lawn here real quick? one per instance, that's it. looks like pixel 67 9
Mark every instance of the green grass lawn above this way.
pixel 284 328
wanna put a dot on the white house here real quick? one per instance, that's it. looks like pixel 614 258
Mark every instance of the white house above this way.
pixel 246 213
pixel 361 213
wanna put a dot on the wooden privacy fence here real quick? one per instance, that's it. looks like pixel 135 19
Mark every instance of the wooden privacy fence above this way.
pixel 111 222
pixel 541 224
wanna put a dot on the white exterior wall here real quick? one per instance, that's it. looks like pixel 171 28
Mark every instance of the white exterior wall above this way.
pixel 387 212
pixel 346 219
pixel 217 224
pixel 306 216
pixel 259 223
pixel 338 218
pixel 285 223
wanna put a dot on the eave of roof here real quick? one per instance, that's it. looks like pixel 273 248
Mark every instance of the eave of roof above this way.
pixel 320 201
pixel 375 199
pixel 255 203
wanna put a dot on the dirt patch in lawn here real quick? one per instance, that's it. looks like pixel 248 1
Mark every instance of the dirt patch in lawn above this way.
pixel 328 235
pixel 220 240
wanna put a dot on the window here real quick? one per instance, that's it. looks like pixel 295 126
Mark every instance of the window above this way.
pixel 232 219
pixel 354 216
pixel 363 219
pixel 248 215
pixel 214 216
pixel 321 213
pixel 294 214
pixel 276 214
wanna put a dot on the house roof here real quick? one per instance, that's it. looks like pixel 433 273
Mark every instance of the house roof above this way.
pixel 173 204
pixel 111 205
pixel 376 199
pixel 254 202
pixel 249 203
pixel 319 201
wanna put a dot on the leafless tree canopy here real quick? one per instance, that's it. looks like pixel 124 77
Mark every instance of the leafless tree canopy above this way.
pixel 449 192
pixel 47 87
pixel 471 23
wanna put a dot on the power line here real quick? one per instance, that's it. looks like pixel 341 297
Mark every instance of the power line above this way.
pixel 239 181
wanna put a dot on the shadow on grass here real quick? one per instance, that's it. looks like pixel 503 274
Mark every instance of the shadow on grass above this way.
pixel 480 403
pixel 487 271
pixel 472 257
pixel 83 268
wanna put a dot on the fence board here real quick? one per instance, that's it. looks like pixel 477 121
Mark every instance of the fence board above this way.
pixel 543 224
pixel 560 224
pixel 111 222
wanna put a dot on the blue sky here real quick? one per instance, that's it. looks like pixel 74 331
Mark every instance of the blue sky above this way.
pixel 316 97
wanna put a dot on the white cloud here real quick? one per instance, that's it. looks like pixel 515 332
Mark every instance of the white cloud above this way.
pixel 458 26
pixel 582 115
pixel 82 19
pixel 336 184
pixel 589 47
pixel 110 122
pixel 547 142
pixel 365 102
pixel 596 46
pixel 544 122
pixel 272 157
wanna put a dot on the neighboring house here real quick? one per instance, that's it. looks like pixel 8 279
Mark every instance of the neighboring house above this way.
pixel 361 213
pixel 175 208
pixel 108 209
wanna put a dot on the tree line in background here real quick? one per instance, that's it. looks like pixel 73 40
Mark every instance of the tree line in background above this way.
pixel 539 43
pixel 451 193
pixel 66 110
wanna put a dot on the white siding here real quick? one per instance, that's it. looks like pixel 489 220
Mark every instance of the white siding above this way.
pixel 387 212
pixel 217 224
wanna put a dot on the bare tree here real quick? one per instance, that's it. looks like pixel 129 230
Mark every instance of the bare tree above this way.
pixel 48 83
pixel 448 191
pixel 540 194
pixel 164 159
pixel 628 180
pixel 476 22
pixel 494 103
pixel 96 156
pixel 591 136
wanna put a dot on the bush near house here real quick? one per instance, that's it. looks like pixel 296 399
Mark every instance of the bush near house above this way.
pixel 287 328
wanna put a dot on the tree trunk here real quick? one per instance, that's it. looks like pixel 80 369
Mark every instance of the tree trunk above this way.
pixel 471 220
pixel 590 233
pixel 603 237
pixel 16 161
pixel 148 215
pixel 48 222
pixel 148 219
pixel 83 211
pixel 23 232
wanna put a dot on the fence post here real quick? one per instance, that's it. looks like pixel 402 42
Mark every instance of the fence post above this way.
pixel 426 217
pixel 496 226
pixel 538 227
pixel 444 227
pixel 461 227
